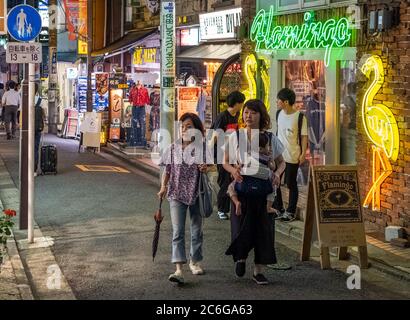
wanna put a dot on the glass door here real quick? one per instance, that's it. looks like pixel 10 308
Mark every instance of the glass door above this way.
pixel 307 79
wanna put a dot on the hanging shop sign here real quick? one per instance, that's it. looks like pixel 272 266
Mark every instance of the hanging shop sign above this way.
pixel 82 28
pixel 101 91
pixel 312 34
pixel 145 55
pixel 43 10
pixel 72 18
pixel 220 24
pixel 153 6
pixel 188 100
pixel 334 206
pixel 168 45
pixel 189 37
pixel 381 128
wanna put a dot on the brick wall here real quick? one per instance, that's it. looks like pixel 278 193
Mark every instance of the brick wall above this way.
pixel 394 48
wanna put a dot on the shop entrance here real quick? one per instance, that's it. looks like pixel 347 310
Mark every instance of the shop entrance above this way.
pixel 307 79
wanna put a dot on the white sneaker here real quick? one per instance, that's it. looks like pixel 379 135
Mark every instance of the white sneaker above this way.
pixel 223 215
pixel 196 268
pixel 177 277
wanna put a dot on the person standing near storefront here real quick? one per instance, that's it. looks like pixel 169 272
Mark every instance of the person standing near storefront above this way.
pixel 228 122
pixel 180 184
pixel 139 98
pixel 293 133
pixel 11 102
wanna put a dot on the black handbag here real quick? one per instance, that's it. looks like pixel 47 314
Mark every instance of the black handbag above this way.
pixel 253 187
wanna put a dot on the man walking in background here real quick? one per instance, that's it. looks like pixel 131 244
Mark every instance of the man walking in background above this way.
pixel 228 122
pixel 11 102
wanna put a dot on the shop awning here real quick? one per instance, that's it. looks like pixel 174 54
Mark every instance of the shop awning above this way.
pixel 126 42
pixel 210 52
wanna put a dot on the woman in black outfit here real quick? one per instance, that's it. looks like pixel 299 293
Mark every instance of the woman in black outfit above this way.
pixel 253 228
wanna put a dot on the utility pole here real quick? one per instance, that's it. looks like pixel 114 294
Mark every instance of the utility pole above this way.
pixel 52 68
pixel 89 35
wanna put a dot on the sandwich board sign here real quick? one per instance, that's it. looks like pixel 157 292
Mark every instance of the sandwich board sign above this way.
pixel 334 206
pixel 24 23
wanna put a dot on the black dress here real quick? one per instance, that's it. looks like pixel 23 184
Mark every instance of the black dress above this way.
pixel 254 229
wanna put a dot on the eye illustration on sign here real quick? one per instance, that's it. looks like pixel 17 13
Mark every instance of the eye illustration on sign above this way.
pixel 153 6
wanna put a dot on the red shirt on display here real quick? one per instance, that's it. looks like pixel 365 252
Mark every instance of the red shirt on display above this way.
pixel 139 97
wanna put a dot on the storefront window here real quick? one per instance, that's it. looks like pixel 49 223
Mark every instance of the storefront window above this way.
pixel 307 79
pixel 348 130
pixel 288 4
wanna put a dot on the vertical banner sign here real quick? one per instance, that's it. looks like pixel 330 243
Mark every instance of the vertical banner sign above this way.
pixel 82 28
pixel 72 15
pixel 52 75
pixel 3 12
pixel 167 67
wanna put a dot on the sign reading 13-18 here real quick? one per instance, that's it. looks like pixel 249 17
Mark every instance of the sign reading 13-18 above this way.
pixel 24 23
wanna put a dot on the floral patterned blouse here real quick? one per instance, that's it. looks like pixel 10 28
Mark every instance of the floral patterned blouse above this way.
pixel 183 168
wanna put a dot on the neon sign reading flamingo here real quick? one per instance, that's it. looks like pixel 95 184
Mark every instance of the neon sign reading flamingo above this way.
pixel 381 127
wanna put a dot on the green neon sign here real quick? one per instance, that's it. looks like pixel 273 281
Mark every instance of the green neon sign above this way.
pixel 329 34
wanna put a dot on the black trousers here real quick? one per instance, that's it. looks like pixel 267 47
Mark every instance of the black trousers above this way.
pixel 10 119
pixel 224 179
pixel 291 175
pixel 254 229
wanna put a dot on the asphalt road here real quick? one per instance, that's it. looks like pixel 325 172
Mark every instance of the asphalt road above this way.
pixel 102 224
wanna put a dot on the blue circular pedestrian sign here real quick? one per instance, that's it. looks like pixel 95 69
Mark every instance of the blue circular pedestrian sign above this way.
pixel 24 23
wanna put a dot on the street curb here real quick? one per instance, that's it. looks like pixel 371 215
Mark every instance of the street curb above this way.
pixel 21 270
pixel 297 233
pixel 137 164
pixel 23 283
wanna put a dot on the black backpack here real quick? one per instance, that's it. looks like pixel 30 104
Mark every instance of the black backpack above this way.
pixel 300 124
pixel 39 120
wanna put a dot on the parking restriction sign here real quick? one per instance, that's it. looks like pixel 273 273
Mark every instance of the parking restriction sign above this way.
pixel 18 52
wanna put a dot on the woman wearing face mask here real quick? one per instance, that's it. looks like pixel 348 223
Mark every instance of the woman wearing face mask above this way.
pixel 180 184
pixel 252 226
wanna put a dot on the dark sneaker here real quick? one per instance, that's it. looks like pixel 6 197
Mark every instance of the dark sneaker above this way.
pixel 260 279
pixel 177 277
pixel 240 269
pixel 280 214
pixel 288 217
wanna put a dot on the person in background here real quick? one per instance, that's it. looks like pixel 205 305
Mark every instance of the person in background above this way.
pixel 1 105
pixel 294 138
pixel 11 101
pixel 228 122
pixel 38 127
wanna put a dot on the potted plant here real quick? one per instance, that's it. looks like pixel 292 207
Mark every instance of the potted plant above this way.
pixel 6 226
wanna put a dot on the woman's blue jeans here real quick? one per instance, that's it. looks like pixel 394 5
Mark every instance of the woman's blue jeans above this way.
pixel 178 217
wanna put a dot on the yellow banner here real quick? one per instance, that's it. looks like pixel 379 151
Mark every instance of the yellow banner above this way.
pixel 82 27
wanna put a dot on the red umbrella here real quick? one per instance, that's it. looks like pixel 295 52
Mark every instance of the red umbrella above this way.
pixel 158 219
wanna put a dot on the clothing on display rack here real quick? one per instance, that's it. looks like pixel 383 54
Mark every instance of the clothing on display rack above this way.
pixel 315 113
pixel 201 107
pixel 139 98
